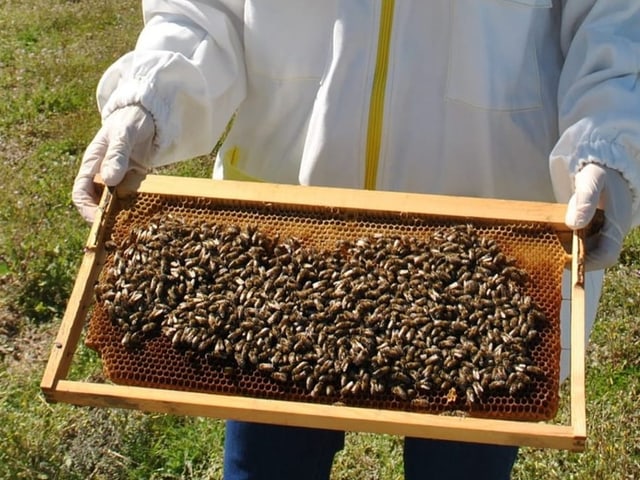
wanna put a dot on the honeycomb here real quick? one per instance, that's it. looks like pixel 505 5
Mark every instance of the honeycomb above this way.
pixel 157 362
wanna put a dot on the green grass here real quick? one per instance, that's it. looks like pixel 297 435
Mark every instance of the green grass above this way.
pixel 51 57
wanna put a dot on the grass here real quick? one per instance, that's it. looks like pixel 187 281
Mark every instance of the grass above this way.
pixel 51 57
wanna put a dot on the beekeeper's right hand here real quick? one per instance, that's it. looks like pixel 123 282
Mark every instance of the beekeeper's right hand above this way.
pixel 123 143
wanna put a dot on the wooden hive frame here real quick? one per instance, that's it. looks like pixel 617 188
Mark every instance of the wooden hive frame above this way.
pixel 58 388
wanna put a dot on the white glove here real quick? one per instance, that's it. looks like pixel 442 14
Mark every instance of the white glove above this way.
pixel 595 186
pixel 123 143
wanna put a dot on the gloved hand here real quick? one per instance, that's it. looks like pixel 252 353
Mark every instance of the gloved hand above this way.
pixel 123 143
pixel 595 186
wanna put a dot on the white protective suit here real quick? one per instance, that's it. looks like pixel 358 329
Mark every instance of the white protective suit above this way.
pixel 489 98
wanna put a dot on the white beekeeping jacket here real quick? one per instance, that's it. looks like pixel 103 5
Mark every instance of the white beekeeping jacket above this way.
pixel 490 98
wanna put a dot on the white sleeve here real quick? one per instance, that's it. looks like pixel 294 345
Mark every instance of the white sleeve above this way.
pixel 187 69
pixel 599 93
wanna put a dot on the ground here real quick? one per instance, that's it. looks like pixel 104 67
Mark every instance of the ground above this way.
pixel 22 346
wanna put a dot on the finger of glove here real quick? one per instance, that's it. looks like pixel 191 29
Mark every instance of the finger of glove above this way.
pixel 145 130
pixel 589 183
pixel 84 195
pixel 88 212
pixel 603 250
pixel 85 199
pixel 116 160
pixel 617 204
pixel 93 155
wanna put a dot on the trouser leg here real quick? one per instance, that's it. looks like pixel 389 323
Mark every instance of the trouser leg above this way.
pixel 443 460
pixel 255 451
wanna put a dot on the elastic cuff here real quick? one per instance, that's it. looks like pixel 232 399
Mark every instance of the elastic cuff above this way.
pixel 142 93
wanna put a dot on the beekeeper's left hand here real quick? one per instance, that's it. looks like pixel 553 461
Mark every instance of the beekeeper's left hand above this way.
pixel 123 143
pixel 599 186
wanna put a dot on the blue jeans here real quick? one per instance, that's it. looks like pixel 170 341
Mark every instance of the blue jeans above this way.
pixel 268 452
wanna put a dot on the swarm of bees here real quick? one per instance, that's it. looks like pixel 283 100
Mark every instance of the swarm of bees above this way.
pixel 380 315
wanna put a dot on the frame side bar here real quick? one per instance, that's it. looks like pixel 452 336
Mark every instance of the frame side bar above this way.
pixel 79 302
pixel 578 407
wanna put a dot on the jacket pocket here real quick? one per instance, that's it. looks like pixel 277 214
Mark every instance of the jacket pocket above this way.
pixel 493 60
pixel 288 39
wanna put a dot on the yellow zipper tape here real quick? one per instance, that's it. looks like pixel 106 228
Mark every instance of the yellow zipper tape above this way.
pixel 376 105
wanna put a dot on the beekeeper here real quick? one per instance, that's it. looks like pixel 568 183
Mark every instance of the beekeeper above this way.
pixel 515 99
